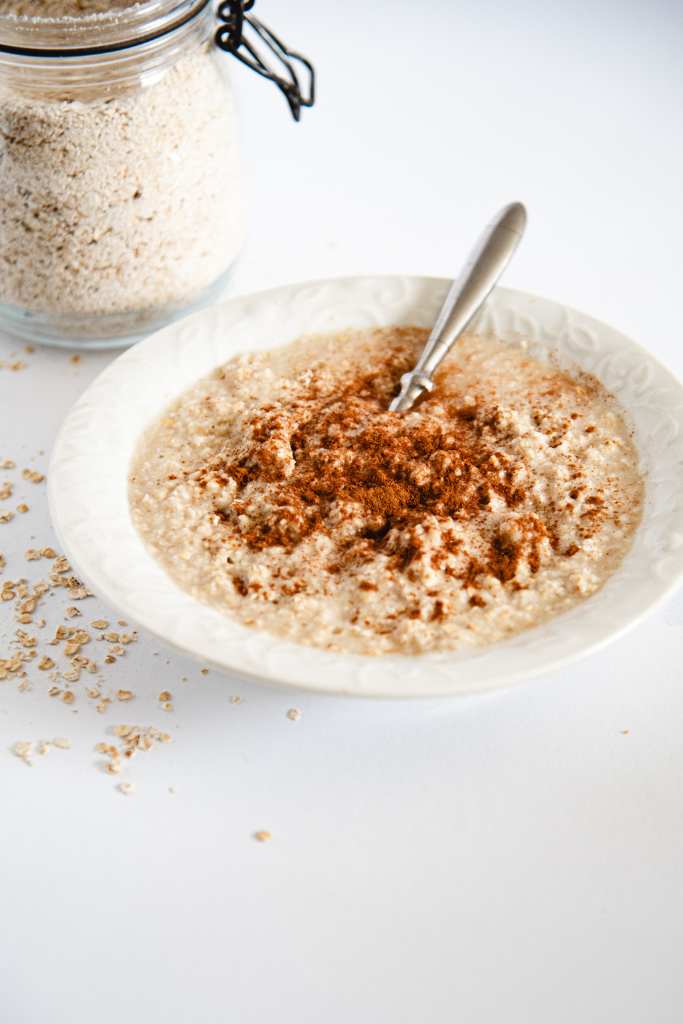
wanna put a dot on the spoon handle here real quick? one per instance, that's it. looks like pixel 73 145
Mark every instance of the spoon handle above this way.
pixel 490 257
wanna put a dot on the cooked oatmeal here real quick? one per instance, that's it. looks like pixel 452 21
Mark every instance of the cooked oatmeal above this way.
pixel 281 491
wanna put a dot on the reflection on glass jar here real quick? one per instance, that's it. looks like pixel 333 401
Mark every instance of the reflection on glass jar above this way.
pixel 120 199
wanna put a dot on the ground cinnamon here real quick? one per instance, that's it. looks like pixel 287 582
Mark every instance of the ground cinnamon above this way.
pixel 342 458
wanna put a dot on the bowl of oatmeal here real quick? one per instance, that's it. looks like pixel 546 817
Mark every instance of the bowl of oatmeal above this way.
pixel 237 486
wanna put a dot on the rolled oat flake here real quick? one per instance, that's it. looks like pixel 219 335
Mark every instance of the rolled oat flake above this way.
pixel 120 198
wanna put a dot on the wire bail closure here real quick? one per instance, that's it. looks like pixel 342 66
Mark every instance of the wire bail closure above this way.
pixel 230 37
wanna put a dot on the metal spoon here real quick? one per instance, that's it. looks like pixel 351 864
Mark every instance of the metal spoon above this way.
pixel 471 288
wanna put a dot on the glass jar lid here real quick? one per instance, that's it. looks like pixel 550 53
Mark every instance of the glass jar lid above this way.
pixel 68 31
pixel 80 31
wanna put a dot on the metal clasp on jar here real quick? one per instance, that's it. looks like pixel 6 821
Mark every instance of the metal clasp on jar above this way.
pixel 283 73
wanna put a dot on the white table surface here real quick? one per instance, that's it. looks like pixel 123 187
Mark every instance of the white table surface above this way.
pixel 511 858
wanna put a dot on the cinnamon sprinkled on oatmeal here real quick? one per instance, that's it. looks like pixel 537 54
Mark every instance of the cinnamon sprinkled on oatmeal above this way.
pixel 281 490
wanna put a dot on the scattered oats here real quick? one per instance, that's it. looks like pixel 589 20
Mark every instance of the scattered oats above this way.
pixel 71 647
pixel 167 706
pixel 18 365
pixel 48 553
pixel 6 516
pixel 42 747
pixel 25 639
pixel 22 750
pixel 33 475
pixel 24 686
pixel 11 666
pixel 109 659
pixel 262 837
pixel 68 696
pixel 113 768
pixel 72 612
pixel 118 650
pixel 45 663
pixel 96 623
pixel 111 638
pixel 126 788
pixel 41 623
pixel 24 619
pixel 122 622
pixel 7 594
pixel 8 464
pixel 3 562
pixel 79 662
pixel 205 671
pixel 22 508
pixel 54 691
pixel 6 490
pixel 235 700
pixel 165 695
pixel 125 695
pixel 75 358
pixel 28 606
pixel 61 565
pixel 29 348
pixel 135 738
pixel 62 743
pixel 93 692
pixel 126 638
pixel 103 705
pixel 294 714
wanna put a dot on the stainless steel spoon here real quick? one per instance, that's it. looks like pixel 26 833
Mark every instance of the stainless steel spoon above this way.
pixel 471 288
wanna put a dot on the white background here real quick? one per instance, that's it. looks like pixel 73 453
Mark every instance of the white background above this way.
pixel 512 858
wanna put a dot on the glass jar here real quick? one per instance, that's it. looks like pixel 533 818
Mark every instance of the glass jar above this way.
pixel 120 200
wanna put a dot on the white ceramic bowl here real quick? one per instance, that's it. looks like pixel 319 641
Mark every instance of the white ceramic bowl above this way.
pixel 89 469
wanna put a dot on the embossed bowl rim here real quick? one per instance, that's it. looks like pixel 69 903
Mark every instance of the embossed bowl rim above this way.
pixel 91 457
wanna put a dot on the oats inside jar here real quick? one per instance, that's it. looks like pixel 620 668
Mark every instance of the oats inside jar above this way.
pixel 281 491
